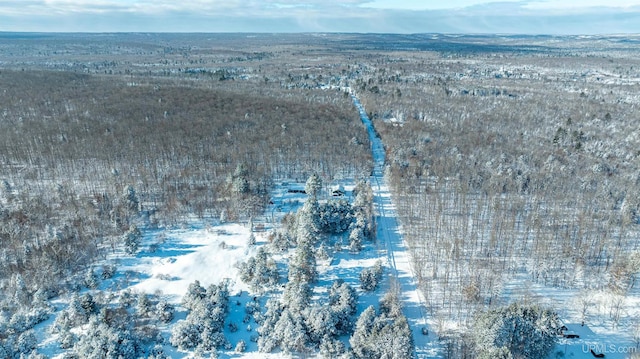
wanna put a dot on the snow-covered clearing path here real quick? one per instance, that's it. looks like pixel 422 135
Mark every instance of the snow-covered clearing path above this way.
pixel 390 239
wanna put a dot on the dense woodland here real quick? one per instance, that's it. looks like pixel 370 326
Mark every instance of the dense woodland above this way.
pixel 86 157
pixel 514 168
pixel 512 160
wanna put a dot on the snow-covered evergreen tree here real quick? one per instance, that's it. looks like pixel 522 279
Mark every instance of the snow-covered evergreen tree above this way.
pixel 363 209
pixel 279 241
pixel 313 186
pixel 21 294
pixel 164 311
pixel 157 352
pixel 259 271
pixel 297 295
pixel 382 335
pixel 356 239
pixel 335 216
pixel 67 339
pixel 320 323
pixel 343 301
pixel 132 239
pixel 239 179
pixel 495 353
pixel 26 342
pixel 241 347
pixel 143 306
pixel 4 351
pixel 332 348
pixel 292 333
pixel 185 335
pixel 268 339
pixel 390 305
pixel 195 293
pixel 91 279
pixel 302 265
pixel 308 222
pixel 370 277
pixel 88 304
pixel 126 298
pixel 203 327
pixel 25 319
pixel 394 339
pixel 103 341
pixel 130 199
pixel 362 340
pixel 527 331
pixel 80 308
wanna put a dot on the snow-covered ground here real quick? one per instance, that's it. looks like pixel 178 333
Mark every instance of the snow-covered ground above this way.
pixel 599 333
pixel 389 236
pixel 171 259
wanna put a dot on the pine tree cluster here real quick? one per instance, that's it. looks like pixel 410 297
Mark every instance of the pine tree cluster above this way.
pixel 203 328
pixel 522 331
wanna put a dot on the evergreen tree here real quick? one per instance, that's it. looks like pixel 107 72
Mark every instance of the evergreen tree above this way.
pixel 362 339
pixel 526 331
pixel 102 341
pixel 313 186
pixel 335 216
pixel 5 352
pixel 308 222
pixel 132 239
pixel 356 237
pixel 292 332
pixel 241 347
pixel 81 308
pixel 91 279
pixel 239 180
pixel 203 327
pixel 157 352
pixel 370 277
pixel 343 301
pixel 332 348
pixel 302 266
pixel 88 304
pixel 269 338
pixel 321 323
pixel 259 271
pixel 130 199
pixel 363 209
pixel 495 353
pixel 297 296
pixel 21 295
pixel 185 335
pixel 195 294
pixel 386 335
pixel 26 342
pixel 394 338
pixel 144 305
pixel 164 311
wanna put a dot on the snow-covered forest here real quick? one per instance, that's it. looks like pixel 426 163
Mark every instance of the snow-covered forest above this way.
pixel 339 196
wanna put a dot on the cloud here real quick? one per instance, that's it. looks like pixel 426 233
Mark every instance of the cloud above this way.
pixel 408 16
pixel 582 4
pixel 213 7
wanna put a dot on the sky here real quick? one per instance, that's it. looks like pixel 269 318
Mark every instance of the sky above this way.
pixel 363 16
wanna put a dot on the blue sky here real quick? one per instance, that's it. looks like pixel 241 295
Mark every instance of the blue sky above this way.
pixel 396 16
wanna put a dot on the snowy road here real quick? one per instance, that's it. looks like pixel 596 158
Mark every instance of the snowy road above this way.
pixel 390 237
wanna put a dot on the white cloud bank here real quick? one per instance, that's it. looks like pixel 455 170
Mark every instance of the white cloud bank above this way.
pixel 408 16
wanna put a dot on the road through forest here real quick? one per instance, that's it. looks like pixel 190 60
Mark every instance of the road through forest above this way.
pixel 390 239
